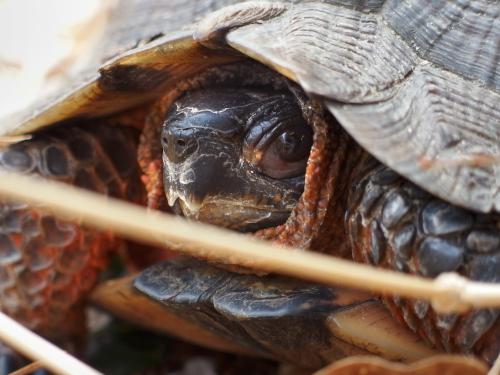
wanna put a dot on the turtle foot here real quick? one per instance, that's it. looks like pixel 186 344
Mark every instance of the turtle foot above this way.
pixel 275 317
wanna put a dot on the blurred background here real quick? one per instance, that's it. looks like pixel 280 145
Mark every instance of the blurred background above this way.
pixel 42 43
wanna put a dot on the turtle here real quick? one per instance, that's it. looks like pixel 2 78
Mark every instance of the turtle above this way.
pixel 365 129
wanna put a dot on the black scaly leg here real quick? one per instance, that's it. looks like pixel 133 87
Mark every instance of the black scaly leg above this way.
pixel 394 224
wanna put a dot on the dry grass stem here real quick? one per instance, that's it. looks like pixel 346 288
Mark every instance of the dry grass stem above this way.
pixel 448 293
pixel 11 139
pixel 32 367
pixel 495 369
pixel 33 346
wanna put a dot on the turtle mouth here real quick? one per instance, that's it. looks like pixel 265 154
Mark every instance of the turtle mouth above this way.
pixel 178 207
pixel 182 206
pixel 235 214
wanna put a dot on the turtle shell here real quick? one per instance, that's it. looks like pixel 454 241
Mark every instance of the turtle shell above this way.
pixel 415 83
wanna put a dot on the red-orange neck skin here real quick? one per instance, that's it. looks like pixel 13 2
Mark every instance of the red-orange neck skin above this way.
pixel 317 222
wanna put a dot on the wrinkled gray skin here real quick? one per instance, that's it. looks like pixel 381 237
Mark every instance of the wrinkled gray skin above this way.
pixel 235 157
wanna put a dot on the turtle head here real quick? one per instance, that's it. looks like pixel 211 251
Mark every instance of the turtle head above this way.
pixel 235 157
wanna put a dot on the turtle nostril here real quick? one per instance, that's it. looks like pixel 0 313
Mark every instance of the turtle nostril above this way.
pixel 178 143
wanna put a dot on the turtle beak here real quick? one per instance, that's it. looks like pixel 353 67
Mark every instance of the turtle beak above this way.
pixel 270 316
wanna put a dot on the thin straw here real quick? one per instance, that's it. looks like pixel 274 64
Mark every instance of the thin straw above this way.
pixel 448 293
pixel 495 370
pixel 47 354
pixel 11 139
pixel 28 369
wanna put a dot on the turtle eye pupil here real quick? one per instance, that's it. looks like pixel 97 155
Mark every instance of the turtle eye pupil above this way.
pixel 164 140
pixel 287 144
pixel 292 146
pixel 286 155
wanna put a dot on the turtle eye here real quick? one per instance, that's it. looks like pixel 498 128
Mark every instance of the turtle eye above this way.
pixel 286 154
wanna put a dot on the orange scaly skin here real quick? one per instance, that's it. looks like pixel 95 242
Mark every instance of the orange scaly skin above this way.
pixel 149 158
pixel 47 265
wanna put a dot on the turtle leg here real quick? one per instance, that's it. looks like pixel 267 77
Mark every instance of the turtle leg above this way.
pixel 394 224
pixel 48 265
pixel 269 316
